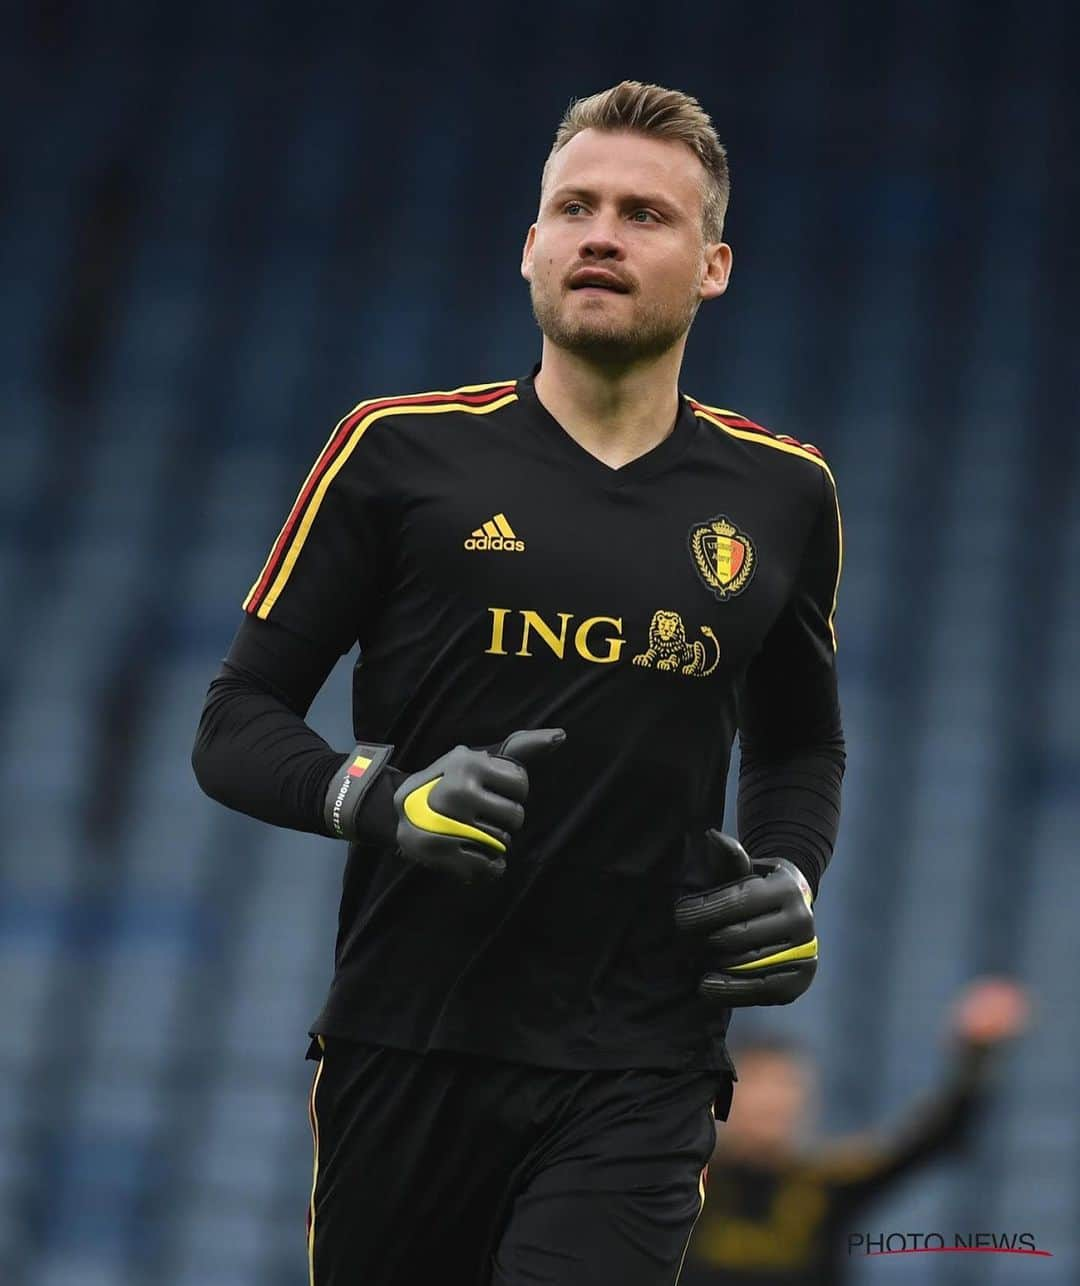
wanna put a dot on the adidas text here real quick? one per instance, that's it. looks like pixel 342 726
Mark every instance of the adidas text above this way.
pixel 494 542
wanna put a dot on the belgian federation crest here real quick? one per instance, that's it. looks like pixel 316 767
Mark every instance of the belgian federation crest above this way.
pixel 723 555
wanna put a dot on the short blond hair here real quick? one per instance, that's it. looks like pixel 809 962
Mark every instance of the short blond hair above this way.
pixel 636 108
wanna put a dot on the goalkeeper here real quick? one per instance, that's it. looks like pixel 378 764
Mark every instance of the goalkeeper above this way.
pixel 569 591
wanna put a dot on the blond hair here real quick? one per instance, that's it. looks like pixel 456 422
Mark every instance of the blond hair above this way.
pixel 636 108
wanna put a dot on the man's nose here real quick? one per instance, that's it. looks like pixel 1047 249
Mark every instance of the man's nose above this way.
pixel 601 242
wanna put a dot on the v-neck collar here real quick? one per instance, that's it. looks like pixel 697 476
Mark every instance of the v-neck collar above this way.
pixel 651 462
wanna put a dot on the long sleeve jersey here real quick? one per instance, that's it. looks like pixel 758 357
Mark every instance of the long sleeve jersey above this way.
pixel 498 576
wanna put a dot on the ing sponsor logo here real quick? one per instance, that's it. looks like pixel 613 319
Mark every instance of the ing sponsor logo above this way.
pixel 600 640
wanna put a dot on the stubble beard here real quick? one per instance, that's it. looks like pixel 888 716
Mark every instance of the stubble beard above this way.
pixel 606 340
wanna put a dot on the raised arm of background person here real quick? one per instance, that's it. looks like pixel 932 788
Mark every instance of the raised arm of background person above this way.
pixel 790 732
pixel 986 1015
pixel 862 1166
pixel 318 593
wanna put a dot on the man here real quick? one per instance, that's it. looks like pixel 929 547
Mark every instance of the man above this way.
pixel 779 1213
pixel 562 587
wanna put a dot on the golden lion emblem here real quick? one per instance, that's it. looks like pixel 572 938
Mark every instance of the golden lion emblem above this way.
pixel 669 650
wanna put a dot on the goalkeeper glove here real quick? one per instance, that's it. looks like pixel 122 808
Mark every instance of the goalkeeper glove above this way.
pixel 756 928
pixel 456 815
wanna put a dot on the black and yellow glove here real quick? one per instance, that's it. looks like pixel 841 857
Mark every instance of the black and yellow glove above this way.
pixel 756 928
pixel 457 815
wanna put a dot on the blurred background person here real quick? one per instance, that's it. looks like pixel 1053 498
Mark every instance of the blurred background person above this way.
pixel 779 1205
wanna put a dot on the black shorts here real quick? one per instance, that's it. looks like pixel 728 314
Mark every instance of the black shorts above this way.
pixel 453 1168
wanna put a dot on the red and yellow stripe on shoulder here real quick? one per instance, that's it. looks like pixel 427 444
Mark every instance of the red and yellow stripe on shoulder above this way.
pixel 475 399
pixel 740 427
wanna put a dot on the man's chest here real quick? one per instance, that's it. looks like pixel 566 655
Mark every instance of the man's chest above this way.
pixel 682 575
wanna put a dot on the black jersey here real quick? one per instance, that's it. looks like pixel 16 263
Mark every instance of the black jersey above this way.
pixel 499 576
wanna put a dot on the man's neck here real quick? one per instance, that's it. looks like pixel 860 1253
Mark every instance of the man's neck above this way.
pixel 616 415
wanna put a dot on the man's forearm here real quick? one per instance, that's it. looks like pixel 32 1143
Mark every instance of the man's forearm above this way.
pixel 789 804
pixel 254 754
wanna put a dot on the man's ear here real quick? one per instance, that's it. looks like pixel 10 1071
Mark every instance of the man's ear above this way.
pixel 527 253
pixel 718 259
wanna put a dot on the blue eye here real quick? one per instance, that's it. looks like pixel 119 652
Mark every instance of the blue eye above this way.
pixel 576 204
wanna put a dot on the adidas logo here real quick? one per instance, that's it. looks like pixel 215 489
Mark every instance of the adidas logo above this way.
pixel 496 533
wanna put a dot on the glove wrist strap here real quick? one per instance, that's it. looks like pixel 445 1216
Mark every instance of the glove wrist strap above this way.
pixel 350 785
pixel 800 880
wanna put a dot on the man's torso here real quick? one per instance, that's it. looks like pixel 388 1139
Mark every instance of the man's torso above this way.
pixel 524 583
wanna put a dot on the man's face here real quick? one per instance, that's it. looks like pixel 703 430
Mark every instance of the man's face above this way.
pixel 772 1097
pixel 616 260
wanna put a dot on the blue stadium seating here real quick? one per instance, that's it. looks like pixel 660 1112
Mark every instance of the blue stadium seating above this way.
pixel 223 226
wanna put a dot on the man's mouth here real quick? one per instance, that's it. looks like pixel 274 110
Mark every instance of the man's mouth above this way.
pixel 598 281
